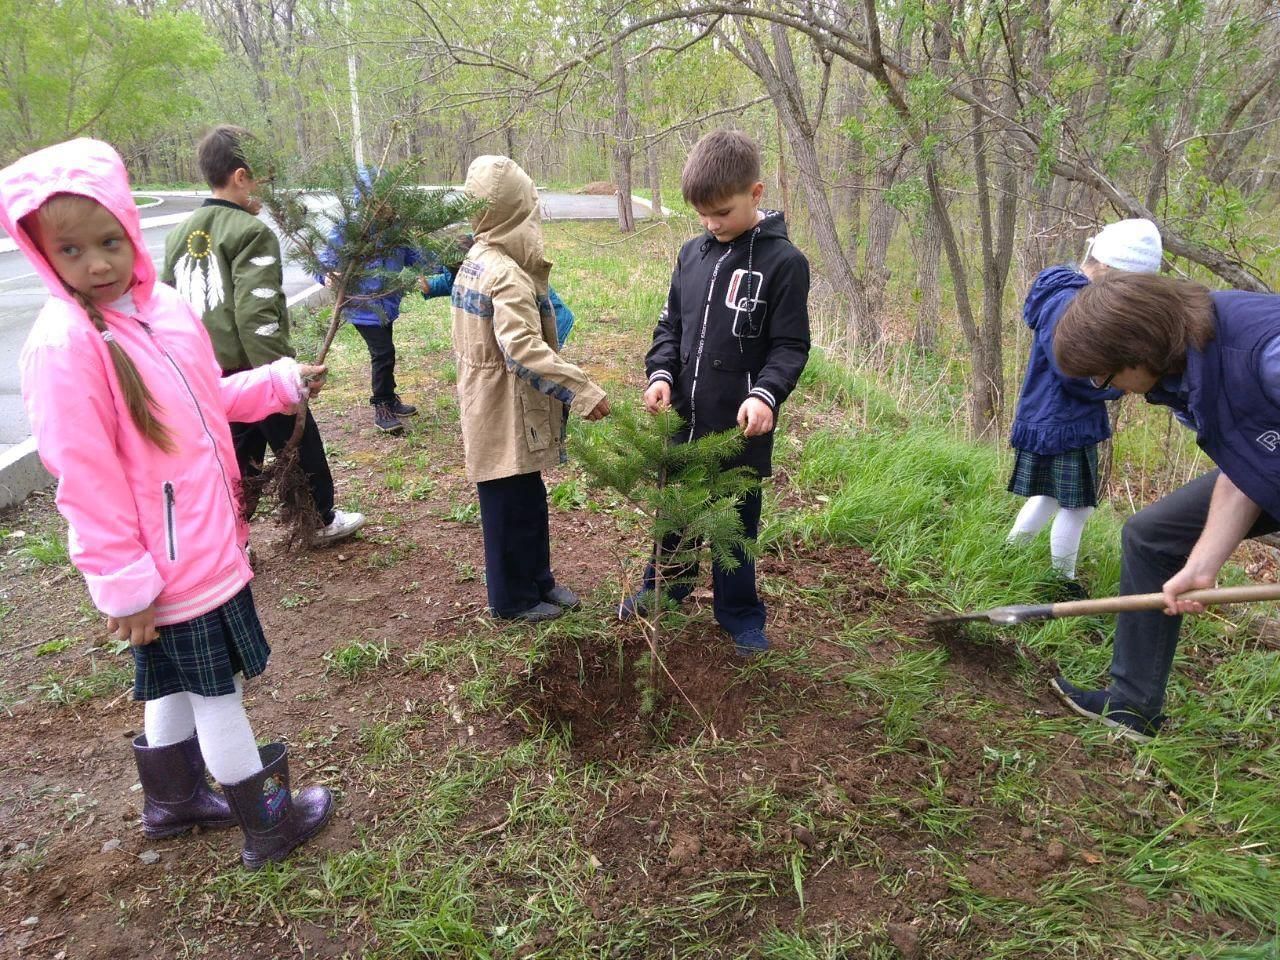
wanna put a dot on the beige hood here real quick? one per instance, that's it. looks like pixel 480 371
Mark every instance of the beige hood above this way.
pixel 510 219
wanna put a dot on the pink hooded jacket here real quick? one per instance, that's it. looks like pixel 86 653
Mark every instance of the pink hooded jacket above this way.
pixel 146 526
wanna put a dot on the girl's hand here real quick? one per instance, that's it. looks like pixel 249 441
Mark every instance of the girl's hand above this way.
pixel 138 628
pixel 313 377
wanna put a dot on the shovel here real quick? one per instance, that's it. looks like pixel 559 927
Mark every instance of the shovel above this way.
pixel 1083 608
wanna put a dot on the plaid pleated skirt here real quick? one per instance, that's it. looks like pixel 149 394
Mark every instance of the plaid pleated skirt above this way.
pixel 203 655
pixel 1071 478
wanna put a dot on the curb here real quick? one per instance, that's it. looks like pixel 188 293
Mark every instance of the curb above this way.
pixel 22 473
pixel 666 211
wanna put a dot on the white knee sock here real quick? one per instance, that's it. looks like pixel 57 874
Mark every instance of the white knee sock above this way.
pixel 1064 539
pixel 226 739
pixel 1033 516
pixel 168 720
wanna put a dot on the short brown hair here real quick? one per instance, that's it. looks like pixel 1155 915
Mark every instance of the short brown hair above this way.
pixel 1133 320
pixel 221 153
pixel 722 163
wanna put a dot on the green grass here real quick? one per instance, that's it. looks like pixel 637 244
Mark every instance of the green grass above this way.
pixel 502 843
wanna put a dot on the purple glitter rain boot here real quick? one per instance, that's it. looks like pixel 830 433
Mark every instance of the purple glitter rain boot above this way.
pixel 273 819
pixel 177 795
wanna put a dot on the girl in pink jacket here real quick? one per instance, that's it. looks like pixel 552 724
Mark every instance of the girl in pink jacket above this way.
pixel 130 414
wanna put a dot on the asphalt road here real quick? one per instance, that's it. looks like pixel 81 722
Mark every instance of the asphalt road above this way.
pixel 22 292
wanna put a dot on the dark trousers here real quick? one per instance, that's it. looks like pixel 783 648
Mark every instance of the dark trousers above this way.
pixel 252 439
pixel 517 542
pixel 382 361
pixel 1155 545
pixel 735 602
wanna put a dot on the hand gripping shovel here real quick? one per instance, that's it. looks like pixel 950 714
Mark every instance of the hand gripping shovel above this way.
pixel 1083 608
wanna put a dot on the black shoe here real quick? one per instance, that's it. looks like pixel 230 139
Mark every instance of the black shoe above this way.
pixel 538 613
pixel 1068 589
pixel 1102 705
pixel 386 420
pixel 562 597
pixel 750 643
pixel 402 409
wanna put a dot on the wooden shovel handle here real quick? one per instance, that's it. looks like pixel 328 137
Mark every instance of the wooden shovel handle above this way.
pixel 1155 601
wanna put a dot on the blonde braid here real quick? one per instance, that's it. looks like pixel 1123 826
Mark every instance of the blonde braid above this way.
pixel 136 395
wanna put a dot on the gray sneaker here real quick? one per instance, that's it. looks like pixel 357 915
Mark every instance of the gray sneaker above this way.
pixel 344 524
pixel 538 613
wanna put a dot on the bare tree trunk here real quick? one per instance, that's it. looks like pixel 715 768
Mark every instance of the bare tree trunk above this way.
pixel 652 153
pixel 783 84
pixel 622 148
pixel 928 266
pixel 881 225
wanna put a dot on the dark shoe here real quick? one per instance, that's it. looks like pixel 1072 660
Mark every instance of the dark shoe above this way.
pixel 177 796
pixel 640 603
pixel 1066 590
pixel 538 613
pixel 1102 705
pixel 563 597
pixel 750 643
pixel 402 409
pixel 274 819
pixel 386 420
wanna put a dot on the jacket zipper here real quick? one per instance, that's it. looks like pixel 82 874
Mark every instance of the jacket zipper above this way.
pixel 702 340
pixel 170 522
pixel 222 470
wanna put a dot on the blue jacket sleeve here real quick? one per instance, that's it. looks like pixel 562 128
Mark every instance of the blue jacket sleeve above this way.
pixel 329 255
pixel 564 316
pixel 440 285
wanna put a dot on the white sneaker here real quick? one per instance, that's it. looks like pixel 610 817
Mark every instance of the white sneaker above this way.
pixel 344 525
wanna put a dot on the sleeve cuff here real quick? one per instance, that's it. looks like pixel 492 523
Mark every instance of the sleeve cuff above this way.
pixel 662 375
pixel 760 393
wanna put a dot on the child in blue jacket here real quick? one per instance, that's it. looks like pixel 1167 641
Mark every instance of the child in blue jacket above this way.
pixel 373 313
pixel 1061 420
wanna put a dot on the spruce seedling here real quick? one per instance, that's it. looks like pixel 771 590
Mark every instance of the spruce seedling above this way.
pixel 686 496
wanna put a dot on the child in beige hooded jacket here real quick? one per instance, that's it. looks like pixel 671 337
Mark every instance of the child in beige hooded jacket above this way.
pixel 515 391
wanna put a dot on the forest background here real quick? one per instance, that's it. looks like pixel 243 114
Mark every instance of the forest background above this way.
pixel 931 157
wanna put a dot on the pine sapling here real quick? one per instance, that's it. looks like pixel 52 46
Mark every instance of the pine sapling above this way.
pixel 344 221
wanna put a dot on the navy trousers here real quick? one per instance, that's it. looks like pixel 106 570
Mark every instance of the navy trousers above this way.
pixel 517 542
pixel 382 361
pixel 1155 545
pixel 252 439
pixel 735 602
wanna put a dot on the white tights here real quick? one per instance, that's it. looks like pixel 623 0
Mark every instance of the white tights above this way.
pixel 1064 538
pixel 226 739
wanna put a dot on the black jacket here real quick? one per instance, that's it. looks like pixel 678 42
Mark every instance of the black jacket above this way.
pixel 736 324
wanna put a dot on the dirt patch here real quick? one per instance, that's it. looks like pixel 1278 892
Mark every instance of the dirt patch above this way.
pixel 600 188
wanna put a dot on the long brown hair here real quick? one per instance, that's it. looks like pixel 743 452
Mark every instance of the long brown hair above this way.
pixel 142 405
pixel 1133 320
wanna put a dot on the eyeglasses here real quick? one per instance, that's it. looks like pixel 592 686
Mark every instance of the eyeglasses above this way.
pixel 1104 383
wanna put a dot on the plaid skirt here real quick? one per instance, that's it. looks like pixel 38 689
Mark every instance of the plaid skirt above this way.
pixel 1071 478
pixel 202 655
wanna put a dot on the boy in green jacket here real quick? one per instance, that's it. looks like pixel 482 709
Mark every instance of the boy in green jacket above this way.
pixel 226 263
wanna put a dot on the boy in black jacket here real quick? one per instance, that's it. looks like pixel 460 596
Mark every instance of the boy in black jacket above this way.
pixel 730 346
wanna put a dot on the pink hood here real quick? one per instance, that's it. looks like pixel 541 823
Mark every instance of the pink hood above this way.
pixel 87 168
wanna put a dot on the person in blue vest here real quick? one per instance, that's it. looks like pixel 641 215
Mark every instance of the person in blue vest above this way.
pixel 1060 419
pixel 1214 358
pixel 440 284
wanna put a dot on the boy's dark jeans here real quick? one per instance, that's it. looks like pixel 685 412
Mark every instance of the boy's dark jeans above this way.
pixel 251 441
pixel 1155 545
pixel 517 542
pixel 735 602
pixel 382 361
